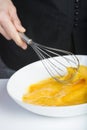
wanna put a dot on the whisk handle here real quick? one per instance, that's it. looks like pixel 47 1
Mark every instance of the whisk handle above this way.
pixel 25 38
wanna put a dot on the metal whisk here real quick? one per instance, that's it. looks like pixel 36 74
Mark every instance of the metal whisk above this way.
pixel 54 60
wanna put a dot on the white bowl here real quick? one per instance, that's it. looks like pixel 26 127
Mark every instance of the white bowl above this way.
pixel 31 74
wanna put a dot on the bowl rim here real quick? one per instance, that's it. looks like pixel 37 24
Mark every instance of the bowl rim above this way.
pixel 14 98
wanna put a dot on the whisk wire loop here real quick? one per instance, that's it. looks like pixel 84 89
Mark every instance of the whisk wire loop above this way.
pixel 54 60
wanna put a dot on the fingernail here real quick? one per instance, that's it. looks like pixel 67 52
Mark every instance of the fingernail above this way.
pixel 23 29
pixel 24 46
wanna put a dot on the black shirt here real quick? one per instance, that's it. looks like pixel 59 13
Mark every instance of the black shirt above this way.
pixel 57 23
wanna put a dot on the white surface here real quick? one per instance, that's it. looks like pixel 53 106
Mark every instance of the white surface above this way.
pixel 31 74
pixel 14 117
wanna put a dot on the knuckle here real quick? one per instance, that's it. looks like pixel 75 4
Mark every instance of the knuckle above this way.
pixel 8 38
pixel 3 15
pixel 14 10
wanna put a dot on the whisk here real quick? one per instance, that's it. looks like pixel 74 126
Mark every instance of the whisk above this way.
pixel 54 60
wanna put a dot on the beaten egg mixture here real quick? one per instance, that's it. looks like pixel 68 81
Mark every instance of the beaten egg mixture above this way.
pixel 51 93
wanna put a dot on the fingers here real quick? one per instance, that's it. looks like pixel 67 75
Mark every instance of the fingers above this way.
pixel 12 32
pixel 18 26
pixel 10 24
pixel 4 33
pixel 9 31
pixel 15 20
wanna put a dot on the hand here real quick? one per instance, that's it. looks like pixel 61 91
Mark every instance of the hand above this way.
pixel 10 24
